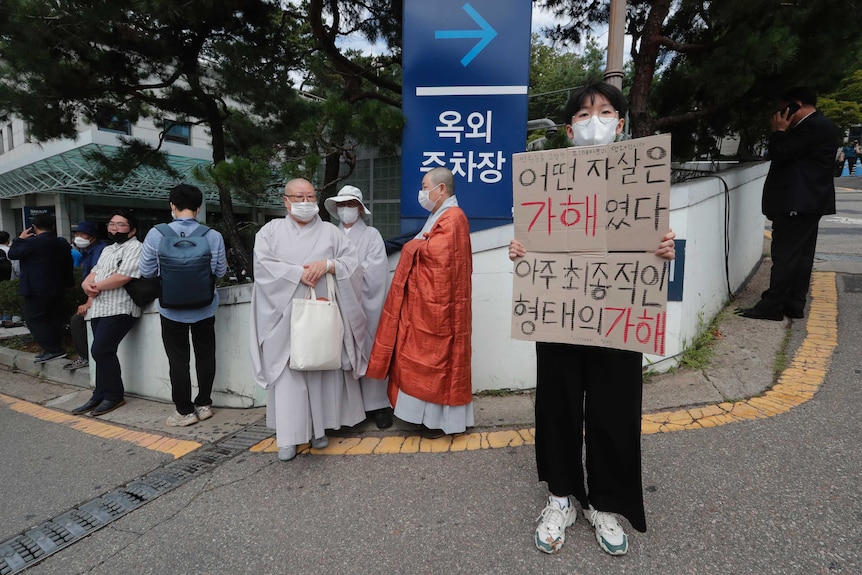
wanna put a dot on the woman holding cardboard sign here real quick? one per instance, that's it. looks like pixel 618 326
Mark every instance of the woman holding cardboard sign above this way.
pixel 590 394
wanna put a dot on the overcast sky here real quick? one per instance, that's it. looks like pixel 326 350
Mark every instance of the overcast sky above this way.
pixel 540 19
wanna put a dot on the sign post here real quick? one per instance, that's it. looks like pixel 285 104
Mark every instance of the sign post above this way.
pixel 466 76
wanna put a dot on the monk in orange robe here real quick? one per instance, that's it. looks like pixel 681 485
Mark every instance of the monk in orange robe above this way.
pixel 423 342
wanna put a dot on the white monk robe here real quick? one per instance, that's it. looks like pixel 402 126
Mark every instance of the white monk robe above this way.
pixel 371 252
pixel 302 404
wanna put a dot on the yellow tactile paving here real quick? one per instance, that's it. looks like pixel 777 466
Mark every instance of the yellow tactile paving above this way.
pixel 175 447
pixel 796 385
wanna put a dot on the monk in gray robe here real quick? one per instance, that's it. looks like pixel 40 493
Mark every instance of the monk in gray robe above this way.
pixel 289 255
pixel 352 215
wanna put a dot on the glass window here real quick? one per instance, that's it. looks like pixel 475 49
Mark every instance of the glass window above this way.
pixel 178 132
pixel 114 125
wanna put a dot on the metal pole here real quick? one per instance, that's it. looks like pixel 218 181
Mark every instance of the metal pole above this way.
pixel 616 42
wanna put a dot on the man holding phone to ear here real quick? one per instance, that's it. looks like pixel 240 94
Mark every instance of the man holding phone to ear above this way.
pixel 46 274
pixel 799 189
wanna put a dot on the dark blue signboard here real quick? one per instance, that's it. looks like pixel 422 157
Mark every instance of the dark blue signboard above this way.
pixel 31 212
pixel 466 74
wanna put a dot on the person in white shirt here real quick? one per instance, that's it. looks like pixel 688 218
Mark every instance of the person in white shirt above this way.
pixel 112 313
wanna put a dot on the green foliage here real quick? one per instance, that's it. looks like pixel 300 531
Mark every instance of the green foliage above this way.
pixel 698 353
pixel 11 303
pixel 712 68
pixel 842 113
pixel 554 72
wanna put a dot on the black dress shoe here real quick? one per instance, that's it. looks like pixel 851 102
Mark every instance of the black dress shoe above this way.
pixel 428 433
pixel 383 418
pixel 90 405
pixel 756 313
pixel 107 406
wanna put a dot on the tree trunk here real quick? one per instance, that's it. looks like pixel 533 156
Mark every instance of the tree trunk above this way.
pixel 645 63
pixel 237 257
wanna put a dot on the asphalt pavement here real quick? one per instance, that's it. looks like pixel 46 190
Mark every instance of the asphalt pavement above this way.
pixel 750 466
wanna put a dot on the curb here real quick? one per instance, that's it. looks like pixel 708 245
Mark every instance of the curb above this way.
pixel 796 385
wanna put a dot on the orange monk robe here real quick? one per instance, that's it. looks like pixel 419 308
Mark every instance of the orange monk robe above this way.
pixel 423 340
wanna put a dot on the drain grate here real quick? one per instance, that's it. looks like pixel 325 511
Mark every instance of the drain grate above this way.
pixel 33 545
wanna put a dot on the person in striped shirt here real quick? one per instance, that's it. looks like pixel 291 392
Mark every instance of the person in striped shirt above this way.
pixel 112 313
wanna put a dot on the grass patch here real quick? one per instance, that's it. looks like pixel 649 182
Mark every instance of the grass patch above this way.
pixel 782 360
pixel 698 354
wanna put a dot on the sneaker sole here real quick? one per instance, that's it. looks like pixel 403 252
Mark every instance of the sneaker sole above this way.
pixel 183 423
pixel 621 549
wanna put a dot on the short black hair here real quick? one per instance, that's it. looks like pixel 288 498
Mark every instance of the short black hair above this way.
pixel 186 197
pixel 45 223
pixel 588 92
pixel 129 215
pixel 4 237
pixel 803 94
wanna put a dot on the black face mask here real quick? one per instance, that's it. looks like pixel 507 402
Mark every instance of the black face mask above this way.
pixel 118 238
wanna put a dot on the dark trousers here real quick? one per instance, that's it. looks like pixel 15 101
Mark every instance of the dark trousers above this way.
pixel 794 242
pixel 175 336
pixel 108 332
pixel 851 164
pixel 78 330
pixel 592 395
pixel 45 317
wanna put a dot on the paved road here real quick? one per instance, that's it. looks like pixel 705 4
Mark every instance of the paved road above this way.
pixel 776 495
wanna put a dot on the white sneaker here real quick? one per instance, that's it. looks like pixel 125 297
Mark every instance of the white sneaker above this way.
pixel 609 533
pixel 551 531
pixel 203 412
pixel 179 420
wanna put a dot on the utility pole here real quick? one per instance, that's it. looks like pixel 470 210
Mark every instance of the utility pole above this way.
pixel 616 41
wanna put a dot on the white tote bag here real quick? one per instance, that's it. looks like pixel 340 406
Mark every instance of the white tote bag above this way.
pixel 316 332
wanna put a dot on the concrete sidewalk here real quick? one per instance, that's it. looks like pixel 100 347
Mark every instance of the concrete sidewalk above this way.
pixel 742 365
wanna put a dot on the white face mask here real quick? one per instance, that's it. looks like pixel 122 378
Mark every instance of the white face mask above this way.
pixel 348 214
pixel 425 200
pixel 304 211
pixel 82 242
pixel 595 131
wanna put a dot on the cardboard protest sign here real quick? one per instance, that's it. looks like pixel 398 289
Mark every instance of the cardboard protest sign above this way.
pixel 590 219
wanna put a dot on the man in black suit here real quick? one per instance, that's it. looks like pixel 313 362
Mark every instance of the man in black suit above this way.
pixel 46 273
pixel 799 189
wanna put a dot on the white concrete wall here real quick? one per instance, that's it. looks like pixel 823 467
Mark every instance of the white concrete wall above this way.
pixel 145 365
pixel 499 362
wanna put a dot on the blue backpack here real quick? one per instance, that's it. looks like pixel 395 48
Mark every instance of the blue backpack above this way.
pixel 185 269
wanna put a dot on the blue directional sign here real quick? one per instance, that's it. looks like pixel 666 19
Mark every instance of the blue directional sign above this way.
pixel 466 76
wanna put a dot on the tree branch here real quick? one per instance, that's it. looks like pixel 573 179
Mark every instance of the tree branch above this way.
pixel 342 65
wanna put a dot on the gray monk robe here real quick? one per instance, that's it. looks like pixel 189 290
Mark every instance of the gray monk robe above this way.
pixel 302 404
pixel 371 252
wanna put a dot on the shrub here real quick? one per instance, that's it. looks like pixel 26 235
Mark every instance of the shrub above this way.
pixel 11 303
